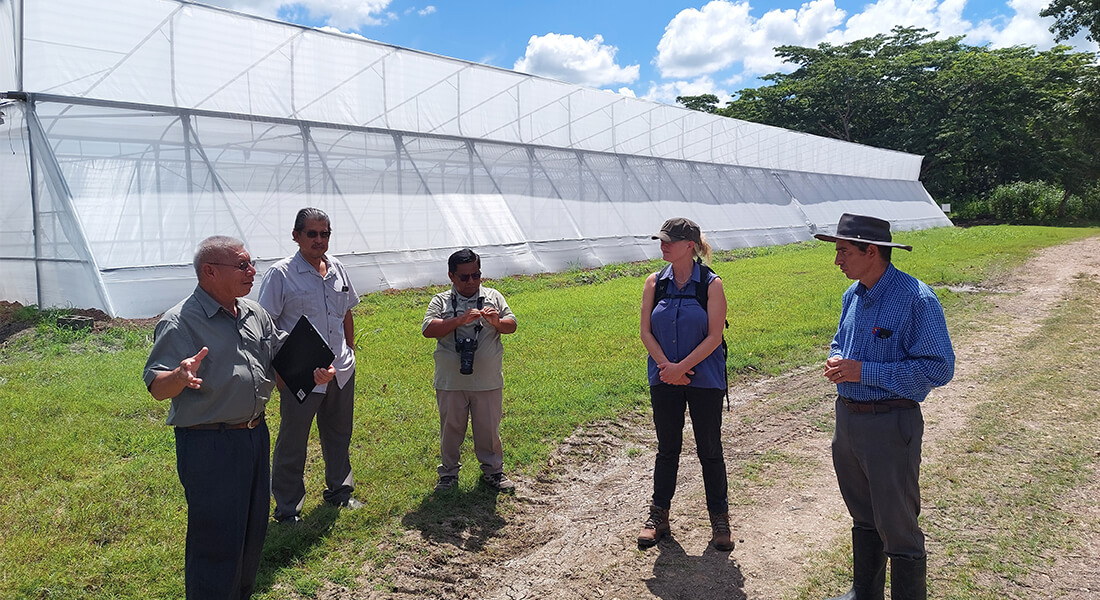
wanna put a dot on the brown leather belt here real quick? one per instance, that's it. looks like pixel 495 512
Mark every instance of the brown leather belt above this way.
pixel 878 406
pixel 251 424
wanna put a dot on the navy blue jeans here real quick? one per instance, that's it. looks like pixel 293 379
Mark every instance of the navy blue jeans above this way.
pixel 226 477
pixel 670 402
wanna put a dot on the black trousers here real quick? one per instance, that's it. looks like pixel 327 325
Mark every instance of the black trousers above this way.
pixel 226 477
pixel 705 404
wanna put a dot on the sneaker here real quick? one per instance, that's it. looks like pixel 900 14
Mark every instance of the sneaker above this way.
pixel 446 482
pixel 499 482
pixel 291 520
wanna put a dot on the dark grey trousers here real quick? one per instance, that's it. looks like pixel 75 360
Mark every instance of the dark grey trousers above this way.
pixel 877 462
pixel 333 410
pixel 226 480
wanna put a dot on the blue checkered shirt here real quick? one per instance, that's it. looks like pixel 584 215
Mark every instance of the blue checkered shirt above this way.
pixel 898 331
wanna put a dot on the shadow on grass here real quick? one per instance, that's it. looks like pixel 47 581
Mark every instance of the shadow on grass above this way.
pixel 287 544
pixel 466 519
pixel 710 576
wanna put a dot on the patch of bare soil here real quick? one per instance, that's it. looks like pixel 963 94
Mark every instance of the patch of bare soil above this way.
pixel 573 533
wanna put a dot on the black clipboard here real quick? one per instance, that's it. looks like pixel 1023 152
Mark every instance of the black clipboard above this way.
pixel 303 351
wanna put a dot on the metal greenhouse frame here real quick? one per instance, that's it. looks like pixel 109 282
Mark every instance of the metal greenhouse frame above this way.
pixel 136 128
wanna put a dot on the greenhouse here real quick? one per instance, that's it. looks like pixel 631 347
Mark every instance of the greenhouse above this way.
pixel 133 129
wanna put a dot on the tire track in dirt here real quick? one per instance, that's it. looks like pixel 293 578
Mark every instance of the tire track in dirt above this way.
pixel 573 534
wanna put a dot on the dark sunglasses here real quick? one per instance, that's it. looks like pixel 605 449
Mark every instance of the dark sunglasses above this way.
pixel 476 276
pixel 243 266
pixel 312 233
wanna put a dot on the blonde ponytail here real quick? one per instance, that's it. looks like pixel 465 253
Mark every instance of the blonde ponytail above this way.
pixel 702 249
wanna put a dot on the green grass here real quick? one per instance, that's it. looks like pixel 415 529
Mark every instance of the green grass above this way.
pixel 1033 437
pixel 90 506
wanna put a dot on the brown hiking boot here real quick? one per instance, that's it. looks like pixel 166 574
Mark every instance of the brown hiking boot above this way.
pixel 720 531
pixel 655 526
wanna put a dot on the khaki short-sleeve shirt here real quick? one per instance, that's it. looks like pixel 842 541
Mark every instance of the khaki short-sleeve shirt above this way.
pixel 488 360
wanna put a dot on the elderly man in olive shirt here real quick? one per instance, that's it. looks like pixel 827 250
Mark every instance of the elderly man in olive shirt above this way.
pixel 212 356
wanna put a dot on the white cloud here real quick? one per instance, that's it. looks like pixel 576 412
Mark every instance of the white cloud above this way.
pixel 330 29
pixel 342 14
pixel 666 92
pixel 707 40
pixel 1026 28
pixel 883 15
pixel 575 60
pixel 1021 27
pixel 625 91
pixel 723 36
pixel 423 12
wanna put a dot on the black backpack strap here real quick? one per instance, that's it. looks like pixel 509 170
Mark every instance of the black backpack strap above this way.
pixel 702 290
pixel 661 290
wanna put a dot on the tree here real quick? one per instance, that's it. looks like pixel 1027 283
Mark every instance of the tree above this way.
pixel 707 103
pixel 981 117
pixel 1071 16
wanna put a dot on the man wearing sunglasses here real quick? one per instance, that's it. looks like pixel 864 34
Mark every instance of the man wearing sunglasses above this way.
pixel 314 284
pixel 467 322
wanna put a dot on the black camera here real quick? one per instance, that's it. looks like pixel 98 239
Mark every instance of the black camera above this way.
pixel 466 348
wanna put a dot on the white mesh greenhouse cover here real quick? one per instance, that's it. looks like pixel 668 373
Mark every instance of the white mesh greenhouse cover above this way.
pixel 133 129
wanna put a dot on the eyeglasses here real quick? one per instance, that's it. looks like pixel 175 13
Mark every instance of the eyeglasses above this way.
pixel 312 233
pixel 243 266
pixel 476 276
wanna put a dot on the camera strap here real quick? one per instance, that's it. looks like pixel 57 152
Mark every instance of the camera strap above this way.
pixel 454 309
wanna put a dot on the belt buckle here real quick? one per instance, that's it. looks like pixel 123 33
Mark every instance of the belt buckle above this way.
pixel 254 421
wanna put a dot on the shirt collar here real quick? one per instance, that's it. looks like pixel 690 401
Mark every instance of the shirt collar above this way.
pixel 210 306
pixel 870 296
pixel 694 273
pixel 302 265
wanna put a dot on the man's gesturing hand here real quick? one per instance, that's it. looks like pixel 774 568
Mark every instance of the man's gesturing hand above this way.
pixel 189 369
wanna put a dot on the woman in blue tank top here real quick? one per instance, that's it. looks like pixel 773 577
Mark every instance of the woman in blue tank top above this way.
pixel 686 372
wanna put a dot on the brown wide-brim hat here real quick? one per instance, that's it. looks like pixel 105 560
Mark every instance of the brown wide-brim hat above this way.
pixel 864 229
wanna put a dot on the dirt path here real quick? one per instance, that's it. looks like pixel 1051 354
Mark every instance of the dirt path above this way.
pixel 573 535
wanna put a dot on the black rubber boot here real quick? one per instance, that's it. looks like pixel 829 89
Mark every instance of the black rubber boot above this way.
pixel 909 578
pixel 868 567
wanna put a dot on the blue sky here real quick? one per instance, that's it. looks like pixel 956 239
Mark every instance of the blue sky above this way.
pixel 654 49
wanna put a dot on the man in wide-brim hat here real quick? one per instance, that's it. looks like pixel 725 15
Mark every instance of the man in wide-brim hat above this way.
pixel 891 348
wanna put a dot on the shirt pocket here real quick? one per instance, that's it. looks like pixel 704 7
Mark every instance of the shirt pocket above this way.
pixel 299 302
pixel 884 343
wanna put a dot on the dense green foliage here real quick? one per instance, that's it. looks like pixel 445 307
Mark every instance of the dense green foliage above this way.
pixel 1071 16
pixel 1035 203
pixel 91 506
pixel 981 117
pixel 707 103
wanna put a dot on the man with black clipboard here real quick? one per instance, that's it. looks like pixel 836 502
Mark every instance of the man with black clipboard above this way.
pixel 312 284
pixel 303 352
